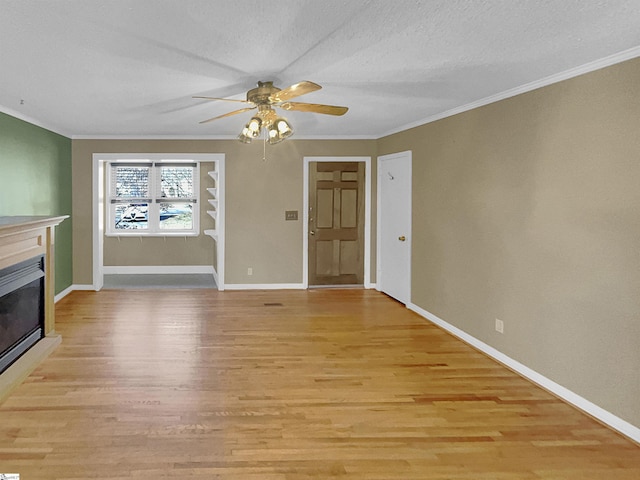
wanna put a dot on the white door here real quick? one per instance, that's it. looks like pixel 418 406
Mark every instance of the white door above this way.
pixel 394 226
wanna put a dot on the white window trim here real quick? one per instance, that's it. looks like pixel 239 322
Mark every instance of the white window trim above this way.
pixel 154 160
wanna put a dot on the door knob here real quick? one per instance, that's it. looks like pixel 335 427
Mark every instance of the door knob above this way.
pixel 312 232
pixel 402 238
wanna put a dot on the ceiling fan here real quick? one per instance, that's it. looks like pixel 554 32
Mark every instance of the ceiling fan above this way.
pixel 264 98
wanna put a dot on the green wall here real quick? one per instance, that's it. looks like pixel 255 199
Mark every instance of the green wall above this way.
pixel 35 179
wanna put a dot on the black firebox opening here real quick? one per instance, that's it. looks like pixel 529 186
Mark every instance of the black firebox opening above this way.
pixel 21 309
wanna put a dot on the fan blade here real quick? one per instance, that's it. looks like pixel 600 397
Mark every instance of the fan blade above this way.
pixel 294 91
pixel 224 99
pixel 235 112
pixel 314 107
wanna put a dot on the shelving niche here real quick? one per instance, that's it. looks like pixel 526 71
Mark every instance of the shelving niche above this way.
pixel 212 211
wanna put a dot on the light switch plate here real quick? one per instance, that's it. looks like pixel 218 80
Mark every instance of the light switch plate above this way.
pixel 291 215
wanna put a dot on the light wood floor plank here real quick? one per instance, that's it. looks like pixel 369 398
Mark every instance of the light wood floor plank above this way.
pixel 285 385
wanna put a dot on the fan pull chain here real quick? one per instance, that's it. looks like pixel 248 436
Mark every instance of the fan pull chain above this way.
pixel 264 148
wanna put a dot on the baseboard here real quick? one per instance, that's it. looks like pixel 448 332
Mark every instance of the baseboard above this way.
pixel 198 270
pixel 565 394
pixel 264 286
pixel 158 270
pixel 63 294
pixel 70 289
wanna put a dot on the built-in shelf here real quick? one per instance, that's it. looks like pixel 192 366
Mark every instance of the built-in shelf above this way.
pixel 213 201
pixel 214 228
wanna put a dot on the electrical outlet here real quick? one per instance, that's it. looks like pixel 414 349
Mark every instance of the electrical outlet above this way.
pixel 499 326
pixel 249 271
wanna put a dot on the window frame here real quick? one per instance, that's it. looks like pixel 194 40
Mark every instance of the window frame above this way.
pixel 154 199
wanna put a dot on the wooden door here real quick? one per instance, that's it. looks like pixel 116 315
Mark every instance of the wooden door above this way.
pixel 336 223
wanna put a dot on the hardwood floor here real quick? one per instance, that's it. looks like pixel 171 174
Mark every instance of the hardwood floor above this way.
pixel 284 385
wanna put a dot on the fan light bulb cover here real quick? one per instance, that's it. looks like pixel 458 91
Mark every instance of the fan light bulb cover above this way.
pixel 274 135
pixel 254 126
pixel 283 126
pixel 244 138
pixel 279 130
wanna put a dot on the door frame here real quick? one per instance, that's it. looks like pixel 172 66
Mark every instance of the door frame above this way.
pixel 379 225
pixel 367 215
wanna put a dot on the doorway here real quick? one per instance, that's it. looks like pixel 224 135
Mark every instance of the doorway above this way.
pixel 337 221
pixel 394 226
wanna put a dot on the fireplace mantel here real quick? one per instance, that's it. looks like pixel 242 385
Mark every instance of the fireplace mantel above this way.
pixel 22 238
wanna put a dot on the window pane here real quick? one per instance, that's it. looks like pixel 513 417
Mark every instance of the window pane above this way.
pixel 176 216
pixel 132 182
pixel 131 216
pixel 176 182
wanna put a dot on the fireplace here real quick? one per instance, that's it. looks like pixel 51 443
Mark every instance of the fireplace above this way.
pixel 21 308
pixel 27 309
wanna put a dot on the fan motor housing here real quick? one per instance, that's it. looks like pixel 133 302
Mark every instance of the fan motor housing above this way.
pixel 261 95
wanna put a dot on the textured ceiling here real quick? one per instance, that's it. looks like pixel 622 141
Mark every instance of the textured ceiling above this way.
pixel 129 68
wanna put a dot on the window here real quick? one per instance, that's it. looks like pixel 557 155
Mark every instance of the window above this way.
pixel 153 198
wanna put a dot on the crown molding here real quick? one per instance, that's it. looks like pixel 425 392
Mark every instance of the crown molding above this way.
pixel 527 87
pixel 33 121
pixel 153 137
pixel 216 137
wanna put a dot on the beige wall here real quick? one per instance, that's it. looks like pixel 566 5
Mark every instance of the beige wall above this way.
pixel 257 194
pixel 528 210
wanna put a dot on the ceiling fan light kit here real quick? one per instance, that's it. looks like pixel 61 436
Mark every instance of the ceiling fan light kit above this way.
pixel 279 130
pixel 251 130
pixel 265 97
